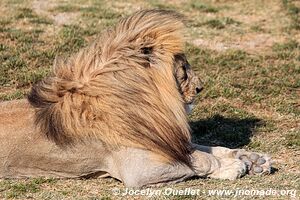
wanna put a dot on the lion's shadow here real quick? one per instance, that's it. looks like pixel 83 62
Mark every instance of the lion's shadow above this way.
pixel 226 132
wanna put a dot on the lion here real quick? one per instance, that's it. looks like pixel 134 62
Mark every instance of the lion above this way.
pixel 118 108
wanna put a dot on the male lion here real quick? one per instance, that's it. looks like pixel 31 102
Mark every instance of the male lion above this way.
pixel 117 108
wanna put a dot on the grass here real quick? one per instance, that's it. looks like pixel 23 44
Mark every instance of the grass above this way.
pixel 65 8
pixel 27 13
pixel 293 140
pixel 218 23
pixel 294 13
pixel 252 88
pixel 20 189
pixel 203 7
pixel 161 5
pixel 70 39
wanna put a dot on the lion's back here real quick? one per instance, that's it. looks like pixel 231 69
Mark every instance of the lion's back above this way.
pixel 16 119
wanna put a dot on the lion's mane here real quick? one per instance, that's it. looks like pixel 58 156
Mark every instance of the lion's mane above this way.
pixel 120 89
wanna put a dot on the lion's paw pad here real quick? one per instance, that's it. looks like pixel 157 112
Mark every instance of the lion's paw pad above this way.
pixel 257 164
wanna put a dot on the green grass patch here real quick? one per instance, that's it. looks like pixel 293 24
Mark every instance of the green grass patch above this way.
pixel 25 77
pixel 294 13
pixel 22 62
pixel 197 5
pixel 16 2
pixel 65 8
pixel 22 189
pixel 5 22
pixel 292 140
pixel 41 20
pixel 251 78
pixel 23 37
pixel 257 28
pixel 255 145
pixel 19 94
pixel 219 23
pixel 12 62
pixel 70 39
pixel 22 13
pixel 3 47
pixel 19 189
pixel 98 17
pixel 99 12
pixel 161 5
pixel 28 13
pixel 287 46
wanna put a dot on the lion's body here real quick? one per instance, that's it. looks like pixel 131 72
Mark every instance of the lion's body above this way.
pixel 116 108
pixel 25 152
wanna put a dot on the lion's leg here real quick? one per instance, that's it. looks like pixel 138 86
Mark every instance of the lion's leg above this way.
pixel 208 165
pixel 256 163
pixel 138 168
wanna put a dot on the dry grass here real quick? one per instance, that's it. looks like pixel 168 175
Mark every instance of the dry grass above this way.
pixel 247 53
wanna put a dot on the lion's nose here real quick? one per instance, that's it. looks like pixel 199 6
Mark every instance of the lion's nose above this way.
pixel 199 89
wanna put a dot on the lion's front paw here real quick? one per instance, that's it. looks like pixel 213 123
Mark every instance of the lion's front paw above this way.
pixel 257 164
pixel 230 169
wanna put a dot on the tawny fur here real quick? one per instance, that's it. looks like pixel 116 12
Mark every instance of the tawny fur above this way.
pixel 121 89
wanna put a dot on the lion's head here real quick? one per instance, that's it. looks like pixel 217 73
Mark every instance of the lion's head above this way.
pixel 188 83
pixel 128 88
